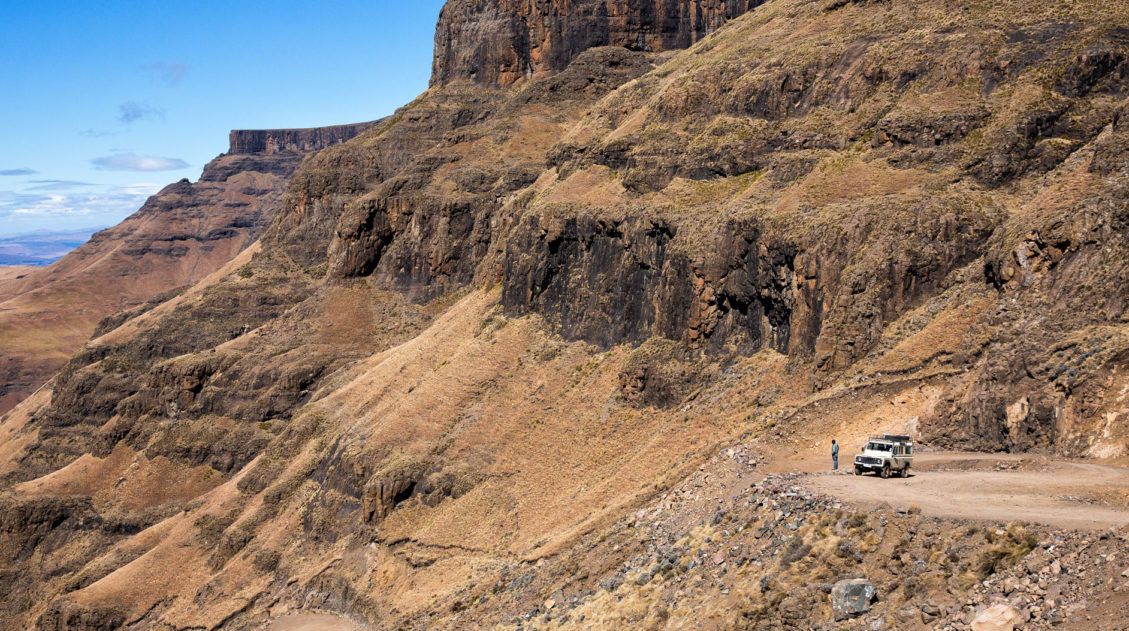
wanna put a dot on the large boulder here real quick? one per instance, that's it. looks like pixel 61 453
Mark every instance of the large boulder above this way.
pixel 852 597
pixel 999 617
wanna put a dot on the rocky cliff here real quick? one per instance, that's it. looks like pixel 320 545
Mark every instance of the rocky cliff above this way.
pixel 498 42
pixel 477 368
pixel 273 141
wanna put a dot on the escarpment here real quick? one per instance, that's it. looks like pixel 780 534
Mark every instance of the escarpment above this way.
pixel 274 141
pixel 499 42
pixel 480 340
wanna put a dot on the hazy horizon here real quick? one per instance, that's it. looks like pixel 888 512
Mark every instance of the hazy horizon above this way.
pixel 65 230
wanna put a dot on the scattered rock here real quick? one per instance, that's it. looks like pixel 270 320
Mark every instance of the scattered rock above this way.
pixel 929 613
pixel 1000 617
pixel 852 597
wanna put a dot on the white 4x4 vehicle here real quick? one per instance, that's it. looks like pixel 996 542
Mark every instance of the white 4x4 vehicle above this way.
pixel 886 455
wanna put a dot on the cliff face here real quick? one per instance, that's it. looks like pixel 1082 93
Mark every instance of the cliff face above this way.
pixel 498 42
pixel 273 141
pixel 180 235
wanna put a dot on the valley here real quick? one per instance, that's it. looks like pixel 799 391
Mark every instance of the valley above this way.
pixel 563 342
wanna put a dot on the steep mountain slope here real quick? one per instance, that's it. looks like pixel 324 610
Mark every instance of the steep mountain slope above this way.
pixel 516 354
pixel 180 235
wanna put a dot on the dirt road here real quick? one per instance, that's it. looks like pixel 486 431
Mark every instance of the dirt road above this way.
pixel 1065 494
pixel 312 622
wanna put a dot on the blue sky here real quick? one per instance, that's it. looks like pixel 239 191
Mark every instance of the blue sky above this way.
pixel 106 102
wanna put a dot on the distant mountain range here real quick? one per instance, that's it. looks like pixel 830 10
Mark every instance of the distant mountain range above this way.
pixel 41 247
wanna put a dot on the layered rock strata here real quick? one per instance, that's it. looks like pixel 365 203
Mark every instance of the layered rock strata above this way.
pixel 499 42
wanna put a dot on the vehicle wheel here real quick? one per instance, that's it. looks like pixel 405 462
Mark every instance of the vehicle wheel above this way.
pixel 858 470
pixel 905 471
pixel 885 473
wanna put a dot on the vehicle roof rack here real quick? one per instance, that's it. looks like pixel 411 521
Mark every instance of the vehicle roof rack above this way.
pixel 898 438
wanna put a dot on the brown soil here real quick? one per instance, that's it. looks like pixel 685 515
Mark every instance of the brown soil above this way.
pixel 9 272
pixel 312 622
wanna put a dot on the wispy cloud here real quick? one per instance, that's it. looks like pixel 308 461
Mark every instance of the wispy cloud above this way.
pixel 170 72
pixel 56 185
pixel 142 188
pixel 17 172
pixel 131 112
pixel 96 133
pixel 134 162
pixel 118 200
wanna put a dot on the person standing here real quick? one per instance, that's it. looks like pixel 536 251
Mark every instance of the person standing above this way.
pixel 834 455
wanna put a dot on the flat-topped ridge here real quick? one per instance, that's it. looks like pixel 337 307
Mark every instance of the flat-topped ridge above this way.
pixel 299 140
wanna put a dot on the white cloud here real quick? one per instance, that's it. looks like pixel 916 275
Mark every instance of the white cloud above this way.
pixel 134 162
pixel 118 200
pixel 142 188
pixel 17 172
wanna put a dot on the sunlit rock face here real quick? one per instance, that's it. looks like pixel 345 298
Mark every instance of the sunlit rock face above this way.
pixel 498 42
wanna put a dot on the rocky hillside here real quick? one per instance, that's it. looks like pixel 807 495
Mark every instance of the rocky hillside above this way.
pixel 182 234
pixel 480 365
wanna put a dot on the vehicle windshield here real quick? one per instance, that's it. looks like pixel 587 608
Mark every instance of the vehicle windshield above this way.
pixel 879 447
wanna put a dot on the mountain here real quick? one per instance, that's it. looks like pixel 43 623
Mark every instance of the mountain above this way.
pixel 557 343
pixel 40 248
pixel 179 236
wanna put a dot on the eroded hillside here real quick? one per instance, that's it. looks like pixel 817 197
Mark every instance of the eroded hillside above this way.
pixel 479 368
pixel 182 234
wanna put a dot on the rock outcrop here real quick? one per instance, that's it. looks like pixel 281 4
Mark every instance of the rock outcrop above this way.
pixel 499 42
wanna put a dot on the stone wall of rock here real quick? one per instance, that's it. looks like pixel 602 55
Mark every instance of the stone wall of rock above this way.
pixel 272 141
pixel 498 42
pixel 614 282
